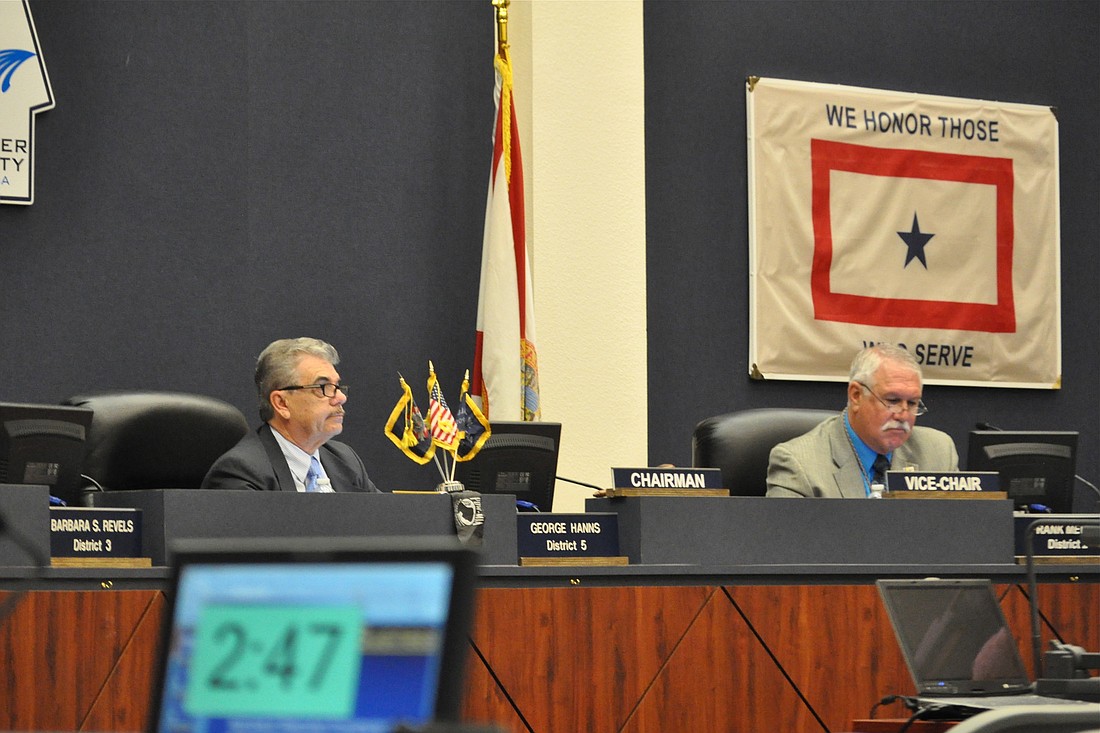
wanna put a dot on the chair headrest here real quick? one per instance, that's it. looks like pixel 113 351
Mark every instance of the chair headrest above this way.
pixel 156 440
pixel 739 443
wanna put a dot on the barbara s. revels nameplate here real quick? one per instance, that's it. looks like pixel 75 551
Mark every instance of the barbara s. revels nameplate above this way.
pixel 99 533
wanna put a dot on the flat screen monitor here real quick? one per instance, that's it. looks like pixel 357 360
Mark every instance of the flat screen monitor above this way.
pixel 44 445
pixel 314 635
pixel 1036 467
pixel 519 458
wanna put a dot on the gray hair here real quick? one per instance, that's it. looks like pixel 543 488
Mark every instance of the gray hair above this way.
pixel 868 360
pixel 277 367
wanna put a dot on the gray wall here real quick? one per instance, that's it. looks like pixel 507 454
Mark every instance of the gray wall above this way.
pixel 219 174
pixel 697 56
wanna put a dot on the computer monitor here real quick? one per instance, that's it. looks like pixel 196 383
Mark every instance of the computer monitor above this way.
pixel 314 635
pixel 44 445
pixel 519 458
pixel 1036 467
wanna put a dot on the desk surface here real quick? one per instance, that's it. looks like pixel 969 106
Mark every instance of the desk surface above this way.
pixel 511 576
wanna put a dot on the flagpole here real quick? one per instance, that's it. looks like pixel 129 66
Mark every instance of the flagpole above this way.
pixel 502 26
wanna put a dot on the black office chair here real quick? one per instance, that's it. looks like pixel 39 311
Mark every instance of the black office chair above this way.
pixel 155 440
pixel 739 443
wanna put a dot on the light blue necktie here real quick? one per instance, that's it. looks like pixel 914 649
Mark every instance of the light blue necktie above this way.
pixel 313 473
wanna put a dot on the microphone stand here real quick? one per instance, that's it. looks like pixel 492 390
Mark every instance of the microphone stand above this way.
pixel 1062 686
pixel 579 483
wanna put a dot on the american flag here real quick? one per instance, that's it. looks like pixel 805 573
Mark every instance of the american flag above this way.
pixel 442 422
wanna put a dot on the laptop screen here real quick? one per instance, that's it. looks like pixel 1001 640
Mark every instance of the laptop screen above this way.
pixel 323 637
pixel 954 636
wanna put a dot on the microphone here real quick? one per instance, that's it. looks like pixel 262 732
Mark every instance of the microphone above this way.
pixel 87 491
pixel 580 483
pixel 988 426
pixel 1090 484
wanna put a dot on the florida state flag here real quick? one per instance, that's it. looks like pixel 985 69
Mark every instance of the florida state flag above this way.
pixel 931 222
pixel 506 371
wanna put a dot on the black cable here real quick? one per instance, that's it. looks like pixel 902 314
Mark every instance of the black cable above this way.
pixel 888 700
pixel 912 719
pixel 910 702
pixel 921 712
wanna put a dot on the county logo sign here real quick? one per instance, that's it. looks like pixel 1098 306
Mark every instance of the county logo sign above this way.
pixel 24 92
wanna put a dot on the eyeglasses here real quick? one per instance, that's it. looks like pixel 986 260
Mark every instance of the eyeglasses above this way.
pixel 896 405
pixel 328 389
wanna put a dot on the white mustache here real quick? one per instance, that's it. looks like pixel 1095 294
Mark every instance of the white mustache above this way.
pixel 897 425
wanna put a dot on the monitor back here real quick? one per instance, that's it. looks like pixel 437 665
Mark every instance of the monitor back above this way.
pixel 519 458
pixel 1035 466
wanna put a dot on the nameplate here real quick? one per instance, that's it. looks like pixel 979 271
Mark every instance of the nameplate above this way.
pixel 81 532
pixel 574 536
pixel 957 482
pixel 667 478
pixel 1058 535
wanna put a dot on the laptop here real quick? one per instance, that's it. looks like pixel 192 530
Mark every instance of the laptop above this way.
pixel 957 645
pixel 321 635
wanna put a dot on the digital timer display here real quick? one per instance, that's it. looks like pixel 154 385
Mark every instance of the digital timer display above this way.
pixel 284 661
pixel 305 647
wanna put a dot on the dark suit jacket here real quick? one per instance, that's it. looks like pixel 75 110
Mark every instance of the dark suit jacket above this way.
pixel 822 462
pixel 257 462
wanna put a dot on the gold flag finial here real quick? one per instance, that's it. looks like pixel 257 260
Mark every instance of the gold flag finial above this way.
pixel 502 25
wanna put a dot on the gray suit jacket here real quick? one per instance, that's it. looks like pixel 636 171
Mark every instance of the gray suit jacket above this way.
pixel 257 463
pixel 822 462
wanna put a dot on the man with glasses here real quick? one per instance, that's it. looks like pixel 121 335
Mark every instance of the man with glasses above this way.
pixel 846 455
pixel 302 405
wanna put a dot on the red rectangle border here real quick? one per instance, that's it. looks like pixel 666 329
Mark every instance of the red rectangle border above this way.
pixel 828 156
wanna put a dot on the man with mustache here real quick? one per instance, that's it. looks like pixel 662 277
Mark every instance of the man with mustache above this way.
pixel 302 405
pixel 845 455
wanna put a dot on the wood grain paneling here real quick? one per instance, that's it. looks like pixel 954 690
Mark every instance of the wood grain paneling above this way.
pixel 639 659
pixel 740 658
pixel 69 653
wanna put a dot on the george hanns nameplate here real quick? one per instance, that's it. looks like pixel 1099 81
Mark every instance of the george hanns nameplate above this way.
pixel 575 537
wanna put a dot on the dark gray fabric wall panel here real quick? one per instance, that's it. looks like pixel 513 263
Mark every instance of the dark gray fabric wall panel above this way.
pixel 697 56
pixel 219 174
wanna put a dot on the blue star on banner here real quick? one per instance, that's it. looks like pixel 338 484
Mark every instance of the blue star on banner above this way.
pixel 915 240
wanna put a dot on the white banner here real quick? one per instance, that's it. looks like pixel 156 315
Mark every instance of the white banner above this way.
pixel 930 222
pixel 24 92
